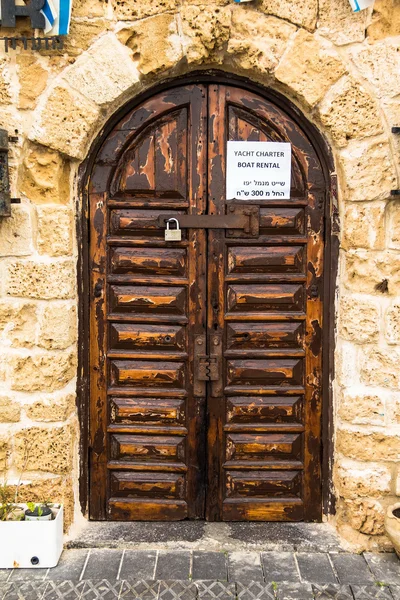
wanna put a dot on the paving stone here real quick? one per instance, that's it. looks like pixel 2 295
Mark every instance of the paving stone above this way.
pixel 173 565
pixel 244 567
pixel 279 566
pixel 28 574
pixel 177 590
pixel 294 591
pixel 4 587
pixel 138 564
pixel 140 590
pixel 255 590
pixel 332 591
pixel 102 565
pixel 215 590
pixel 395 589
pixel 384 566
pixel 70 566
pixel 64 590
pixel 352 568
pixel 315 568
pixel 104 590
pixel 4 574
pixel 27 590
pixel 209 565
pixel 371 592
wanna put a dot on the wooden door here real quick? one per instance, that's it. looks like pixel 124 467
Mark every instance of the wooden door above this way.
pixel 162 447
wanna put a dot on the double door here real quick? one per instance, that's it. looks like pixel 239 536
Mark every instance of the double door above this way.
pixel 205 353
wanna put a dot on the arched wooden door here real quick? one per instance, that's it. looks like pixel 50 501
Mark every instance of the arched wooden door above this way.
pixel 165 444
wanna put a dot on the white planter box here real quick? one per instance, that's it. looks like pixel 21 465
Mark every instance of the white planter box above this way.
pixel 22 542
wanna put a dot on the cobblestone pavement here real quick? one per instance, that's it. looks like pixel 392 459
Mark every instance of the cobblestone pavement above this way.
pixel 112 574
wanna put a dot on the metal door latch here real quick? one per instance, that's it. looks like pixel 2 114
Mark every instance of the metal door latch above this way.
pixel 207 367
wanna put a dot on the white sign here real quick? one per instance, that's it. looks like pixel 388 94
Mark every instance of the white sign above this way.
pixel 258 170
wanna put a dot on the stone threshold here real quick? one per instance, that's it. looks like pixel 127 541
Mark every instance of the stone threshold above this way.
pixel 202 535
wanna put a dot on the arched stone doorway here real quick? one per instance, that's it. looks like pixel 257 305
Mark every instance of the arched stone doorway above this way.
pixel 165 444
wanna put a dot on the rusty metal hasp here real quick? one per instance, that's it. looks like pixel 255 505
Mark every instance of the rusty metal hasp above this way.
pixel 242 217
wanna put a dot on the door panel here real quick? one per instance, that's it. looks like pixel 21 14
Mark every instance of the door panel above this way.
pixel 165 443
pixel 265 303
pixel 147 427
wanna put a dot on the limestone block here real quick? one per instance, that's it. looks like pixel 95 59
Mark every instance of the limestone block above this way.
pixel 367 170
pixel 10 411
pixel 349 112
pixel 48 449
pixel 360 408
pixel 368 446
pixel 65 122
pixel 393 409
pixel 38 487
pixel 82 34
pixel 4 449
pixel 359 319
pixel 392 323
pixel 393 224
pixel 355 479
pixel 155 42
pixel 42 280
pixel 364 225
pixel 380 366
pixel 303 14
pixel 309 67
pixel 5 81
pixel 346 367
pixel 104 72
pixel 397 488
pixel 18 322
pixel 42 371
pixel 364 270
pixel 88 8
pixel 131 10
pixel 379 63
pixel 257 40
pixel 366 516
pixel 205 32
pixel 16 232
pixel 338 22
pixel 44 176
pixel 58 326
pixel 50 408
pixel 385 20
pixel 391 109
pixel 55 227
pixel 32 80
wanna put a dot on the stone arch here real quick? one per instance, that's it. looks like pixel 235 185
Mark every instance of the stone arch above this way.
pixel 326 88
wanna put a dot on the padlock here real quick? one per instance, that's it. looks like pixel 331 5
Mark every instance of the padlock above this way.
pixel 173 235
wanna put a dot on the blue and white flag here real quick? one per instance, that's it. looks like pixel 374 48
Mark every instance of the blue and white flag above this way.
pixel 358 5
pixel 57 14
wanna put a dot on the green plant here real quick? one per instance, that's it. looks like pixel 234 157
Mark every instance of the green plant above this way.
pixel 6 500
pixel 9 509
pixel 33 507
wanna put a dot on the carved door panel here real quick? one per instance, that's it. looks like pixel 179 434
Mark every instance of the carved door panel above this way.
pixel 265 303
pixel 164 443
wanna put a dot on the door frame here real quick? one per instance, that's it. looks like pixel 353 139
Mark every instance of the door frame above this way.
pixel 331 258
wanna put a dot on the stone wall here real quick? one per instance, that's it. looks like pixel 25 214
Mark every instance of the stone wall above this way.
pixel 343 71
